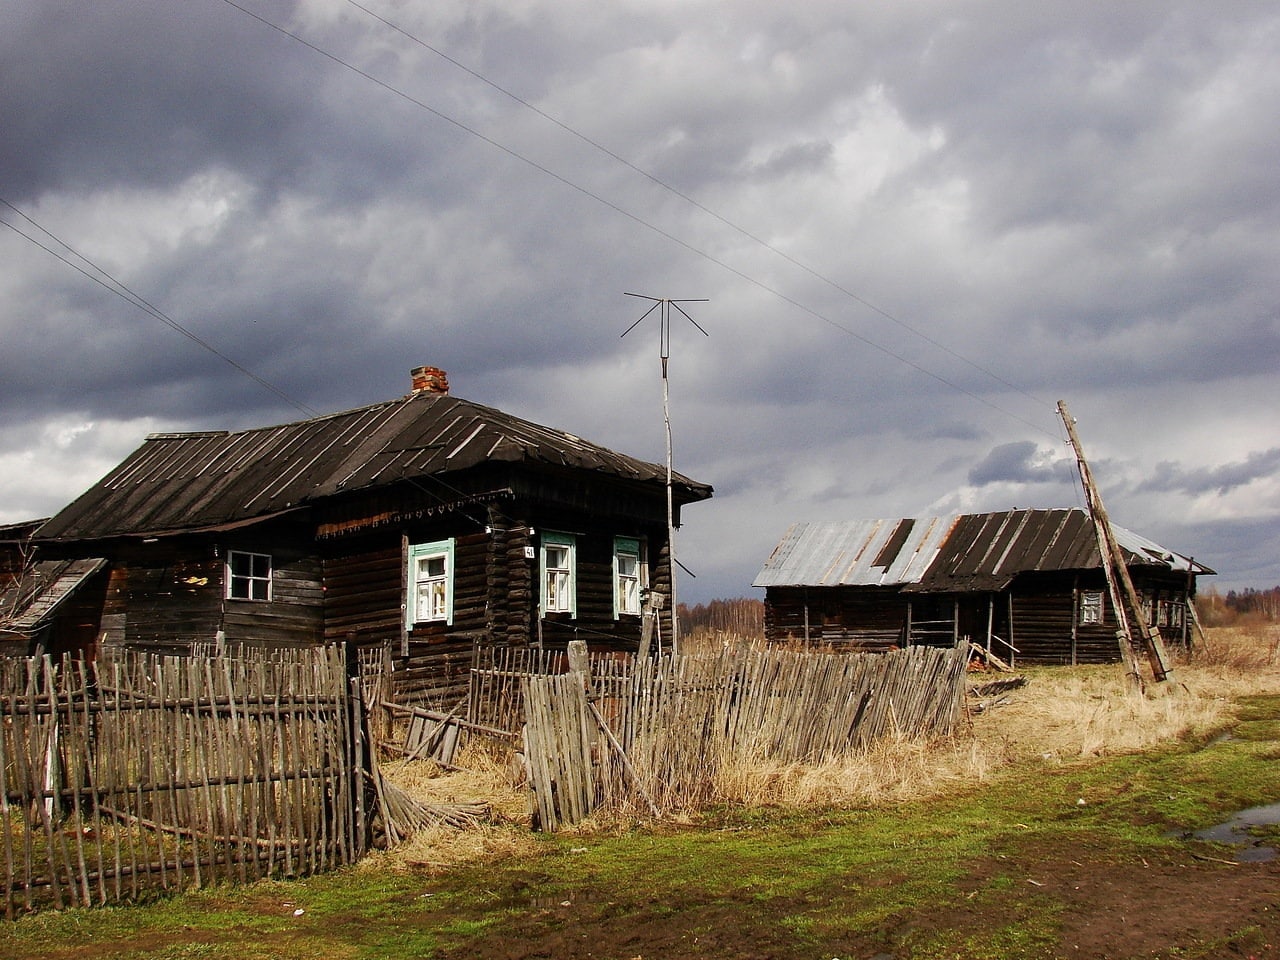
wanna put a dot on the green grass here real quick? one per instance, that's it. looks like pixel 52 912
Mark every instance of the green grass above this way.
pixel 950 878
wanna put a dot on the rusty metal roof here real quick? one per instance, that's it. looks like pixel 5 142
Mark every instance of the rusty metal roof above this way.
pixel 971 552
pixel 27 602
pixel 854 553
pixel 199 481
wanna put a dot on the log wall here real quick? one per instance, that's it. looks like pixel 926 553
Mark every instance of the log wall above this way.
pixel 868 619
pixel 1043 609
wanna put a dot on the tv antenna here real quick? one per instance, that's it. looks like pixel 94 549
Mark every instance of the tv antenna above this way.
pixel 664 306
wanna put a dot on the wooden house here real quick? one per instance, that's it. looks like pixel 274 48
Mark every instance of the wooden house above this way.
pixel 1026 585
pixel 429 523
pixel 46 606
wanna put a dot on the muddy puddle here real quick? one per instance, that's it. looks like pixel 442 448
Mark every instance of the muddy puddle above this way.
pixel 1236 833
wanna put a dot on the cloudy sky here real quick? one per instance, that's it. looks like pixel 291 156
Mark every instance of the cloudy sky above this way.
pixel 916 226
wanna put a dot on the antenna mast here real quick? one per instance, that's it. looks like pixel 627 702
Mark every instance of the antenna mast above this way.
pixel 663 305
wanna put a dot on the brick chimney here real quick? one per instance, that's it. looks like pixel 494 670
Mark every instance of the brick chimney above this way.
pixel 429 380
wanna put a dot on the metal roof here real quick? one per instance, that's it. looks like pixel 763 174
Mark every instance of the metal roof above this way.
pixel 192 481
pixel 949 554
pixel 854 553
pixel 27 602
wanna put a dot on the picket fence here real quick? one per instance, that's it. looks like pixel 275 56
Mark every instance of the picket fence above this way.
pixel 140 773
pixel 655 733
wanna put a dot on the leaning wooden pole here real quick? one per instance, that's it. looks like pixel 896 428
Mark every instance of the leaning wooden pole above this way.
pixel 1124 598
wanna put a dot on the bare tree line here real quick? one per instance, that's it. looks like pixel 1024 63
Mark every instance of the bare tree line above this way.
pixel 742 617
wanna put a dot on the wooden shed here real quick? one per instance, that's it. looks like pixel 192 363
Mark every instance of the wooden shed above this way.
pixel 429 523
pixel 1026 585
pixel 46 606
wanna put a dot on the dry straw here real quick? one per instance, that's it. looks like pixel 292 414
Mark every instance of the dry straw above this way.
pixel 1062 715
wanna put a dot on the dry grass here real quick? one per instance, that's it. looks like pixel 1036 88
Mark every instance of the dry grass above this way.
pixel 892 771
pixel 487 775
pixel 1062 715
pixel 1246 659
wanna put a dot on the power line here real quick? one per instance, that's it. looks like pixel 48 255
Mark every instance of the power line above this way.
pixel 120 289
pixel 635 218
pixel 674 191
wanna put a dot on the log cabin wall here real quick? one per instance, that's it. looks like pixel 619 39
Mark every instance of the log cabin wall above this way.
pixel 163 596
pixel 512 583
pixel 859 618
pixel 364 597
pixel 1047 615
pixel 1045 612
pixel 294 616
pixel 166 595
pixel 1166 597
pixel 595 622
pixel 495 592
pixel 433 665
pixel 363 590
pixel 1045 629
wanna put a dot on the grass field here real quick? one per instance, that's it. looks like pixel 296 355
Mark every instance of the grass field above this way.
pixel 1056 824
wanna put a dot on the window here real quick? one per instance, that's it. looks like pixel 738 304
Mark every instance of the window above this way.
pixel 430 583
pixel 626 576
pixel 1090 607
pixel 558 587
pixel 248 576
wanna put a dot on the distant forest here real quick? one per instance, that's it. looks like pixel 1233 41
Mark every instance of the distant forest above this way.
pixel 743 617
pixel 1238 606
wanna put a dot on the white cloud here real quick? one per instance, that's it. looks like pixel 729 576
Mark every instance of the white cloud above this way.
pixel 46 464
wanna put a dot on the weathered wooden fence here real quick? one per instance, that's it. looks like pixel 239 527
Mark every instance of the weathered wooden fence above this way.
pixel 143 773
pixel 494 696
pixel 658 731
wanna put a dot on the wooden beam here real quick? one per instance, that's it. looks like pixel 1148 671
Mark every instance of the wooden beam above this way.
pixel 1124 598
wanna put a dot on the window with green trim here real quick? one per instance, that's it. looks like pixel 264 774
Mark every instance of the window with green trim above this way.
pixel 558 567
pixel 430 583
pixel 628 576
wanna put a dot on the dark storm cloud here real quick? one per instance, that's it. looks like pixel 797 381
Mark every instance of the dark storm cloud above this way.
pixel 118 94
pixel 1241 551
pixel 1170 476
pixel 1019 462
pixel 925 218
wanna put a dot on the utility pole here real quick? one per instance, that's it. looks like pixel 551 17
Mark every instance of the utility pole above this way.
pixel 664 305
pixel 1124 598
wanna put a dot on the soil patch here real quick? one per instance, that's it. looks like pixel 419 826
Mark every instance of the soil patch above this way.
pixel 1179 906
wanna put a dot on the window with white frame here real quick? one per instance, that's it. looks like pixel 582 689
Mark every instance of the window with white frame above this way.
pixel 558 561
pixel 1090 607
pixel 627 576
pixel 248 575
pixel 430 583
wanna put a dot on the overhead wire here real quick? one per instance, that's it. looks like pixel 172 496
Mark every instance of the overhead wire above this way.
pixel 641 221
pixel 104 279
pixel 694 202
pixel 120 289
